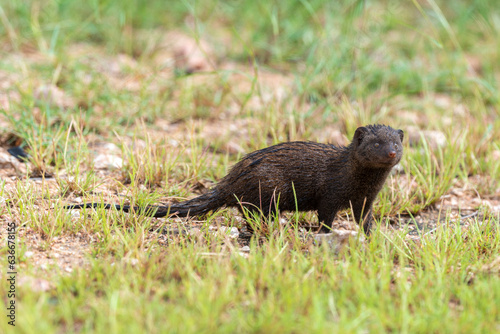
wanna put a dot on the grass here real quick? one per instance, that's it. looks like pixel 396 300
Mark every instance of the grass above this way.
pixel 77 76
pixel 392 285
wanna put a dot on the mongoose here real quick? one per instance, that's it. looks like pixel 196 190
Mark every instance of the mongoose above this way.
pixel 300 176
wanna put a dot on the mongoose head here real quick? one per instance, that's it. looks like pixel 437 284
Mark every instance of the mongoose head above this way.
pixel 377 146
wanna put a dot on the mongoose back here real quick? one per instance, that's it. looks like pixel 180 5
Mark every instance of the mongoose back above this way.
pixel 301 176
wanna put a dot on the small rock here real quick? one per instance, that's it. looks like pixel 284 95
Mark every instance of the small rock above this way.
pixel 232 148
pixel 434 139
pixel 331 135
pixel 495 155
pixel 495 209
pixel 231 232
pixel 411 117
pixel 7 160
pixel 398 169
pixel 108 161
pixel 110 147
pixel 460 110
pixel 190 54
pixel 173 142
pixel 337 239
pixel 442 101
pixel 117 65
pixel 53 95
pixel 245 249
pixel 194 232
pixel 75 213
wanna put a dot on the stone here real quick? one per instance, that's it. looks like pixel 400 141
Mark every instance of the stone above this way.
pixel 337 239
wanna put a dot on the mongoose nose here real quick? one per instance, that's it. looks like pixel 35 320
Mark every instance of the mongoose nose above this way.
pixel 392 154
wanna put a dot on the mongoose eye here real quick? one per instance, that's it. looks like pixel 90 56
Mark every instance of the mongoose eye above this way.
pixel 395 145
pixel 377 144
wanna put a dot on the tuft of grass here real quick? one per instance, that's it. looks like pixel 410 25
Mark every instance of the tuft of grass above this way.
pixel 391 284
pixel 152 168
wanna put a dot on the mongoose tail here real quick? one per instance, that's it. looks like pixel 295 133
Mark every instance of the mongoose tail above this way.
pixel 193 207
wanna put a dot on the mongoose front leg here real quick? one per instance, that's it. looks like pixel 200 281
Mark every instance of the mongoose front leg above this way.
pixel 326 215
pixel 363 215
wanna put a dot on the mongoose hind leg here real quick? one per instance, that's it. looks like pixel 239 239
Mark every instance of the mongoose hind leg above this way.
pixel 326 215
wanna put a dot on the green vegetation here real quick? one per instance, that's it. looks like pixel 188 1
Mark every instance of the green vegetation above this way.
pixel 79 80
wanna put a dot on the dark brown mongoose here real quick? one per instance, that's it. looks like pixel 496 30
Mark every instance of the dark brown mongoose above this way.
pixel 300 175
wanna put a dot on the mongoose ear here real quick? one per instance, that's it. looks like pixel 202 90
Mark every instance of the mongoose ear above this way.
pixel 401 134
pixel 359 134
